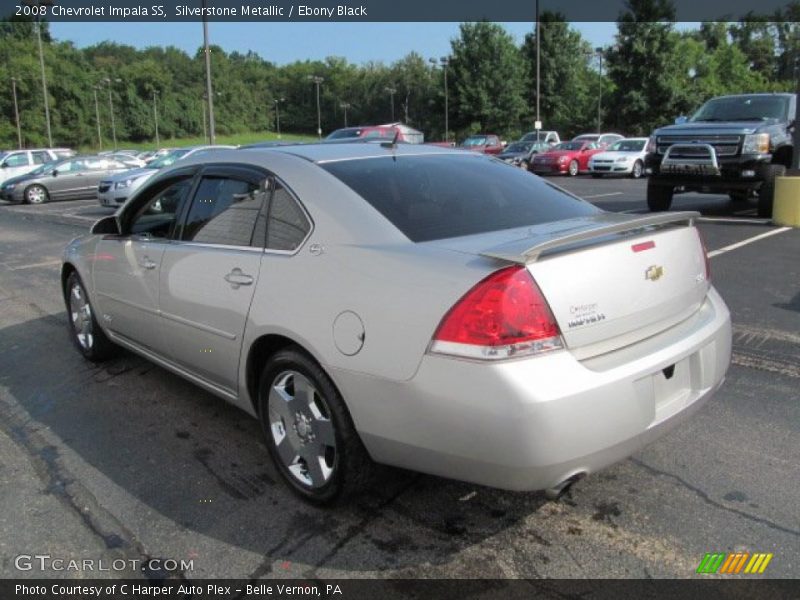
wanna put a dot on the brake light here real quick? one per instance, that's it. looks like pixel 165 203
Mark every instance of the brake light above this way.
pixel 705 254
pixel 503 316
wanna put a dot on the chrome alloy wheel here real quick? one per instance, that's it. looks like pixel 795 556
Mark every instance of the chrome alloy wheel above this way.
pixel 36 194
pixel 301 428
pixel 81 314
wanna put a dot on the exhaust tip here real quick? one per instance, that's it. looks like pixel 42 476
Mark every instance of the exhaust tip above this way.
pixel 555 492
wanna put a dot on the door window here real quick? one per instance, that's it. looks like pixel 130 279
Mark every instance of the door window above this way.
pixel 41 157
pixel 159 214
pixel 287 224
pixel 224 211
pixel 17 160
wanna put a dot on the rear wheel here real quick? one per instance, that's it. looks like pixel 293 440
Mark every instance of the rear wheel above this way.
pixel 659 197
pixel 36 194
pixel 309 432
pixel 766 193
pixel 85 332
pixel 638 169
pixel 573 168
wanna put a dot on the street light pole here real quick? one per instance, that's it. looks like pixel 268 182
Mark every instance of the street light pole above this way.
pixel 345 106
pixel 392 91
pixel 97 119
pixel 16 111
pixel 209 93
pixel 599 52
pixel 444 61
pixel 203 106
pixel 538 42
pixel 44 84
pixel 109 82
pixel 277 102
pixel 317 81
pixel 155 114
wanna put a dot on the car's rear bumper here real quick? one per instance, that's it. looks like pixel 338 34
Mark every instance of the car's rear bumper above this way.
pixel 532 423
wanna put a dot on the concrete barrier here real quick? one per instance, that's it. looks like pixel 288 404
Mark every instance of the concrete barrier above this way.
pixel 786 207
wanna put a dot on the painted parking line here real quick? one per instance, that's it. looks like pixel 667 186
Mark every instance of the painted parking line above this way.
pixel 732 220
pixel 49 263
pixel 602 195
pixel 755 238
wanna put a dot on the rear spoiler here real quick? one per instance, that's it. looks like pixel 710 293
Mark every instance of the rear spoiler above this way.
pixel 519 251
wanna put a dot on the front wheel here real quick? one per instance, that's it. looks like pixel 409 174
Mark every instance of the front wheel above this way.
pixel 637 170
pixel 36 194
pixel 766 193
pixel 309 432
pixel 85 332
pixel 572 169
pixel 659 197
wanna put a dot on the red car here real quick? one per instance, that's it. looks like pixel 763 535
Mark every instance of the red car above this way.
pixel 487 143
pixel 568 158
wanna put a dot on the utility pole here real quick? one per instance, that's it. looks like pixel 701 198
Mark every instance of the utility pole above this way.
pixel 599 52
pixel 392 91
pixel 445 62
pixel 345 106
pixel 16 111
pixel 109 82
pixel 203 106
pixel 277 102
pixel 538 54
pixel 155 114
pixel 317 81
pixel 97 119
pixel 44 84
pixel 212 137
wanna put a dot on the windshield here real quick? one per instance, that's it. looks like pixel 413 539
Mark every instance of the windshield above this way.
pixel 168 159
pixel 476 140
pixel 519 147
pixel 569 146
pixel 629 146
pixel 442 196
pixel 341 134
pixel 743 108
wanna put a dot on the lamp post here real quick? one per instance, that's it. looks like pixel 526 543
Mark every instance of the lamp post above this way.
pixel 445 62
pixel 345 106
pixel 16 111
pixel 155 114
pixel 317 81
pixel 392 91
pixel 109 82
pixel 44 84
pixel 538 54
pixel 97 119
pixel 277 102
pixel 212 137
pixel 598 52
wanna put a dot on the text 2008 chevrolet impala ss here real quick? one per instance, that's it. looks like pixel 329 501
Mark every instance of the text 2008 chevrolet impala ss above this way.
pixel 426 308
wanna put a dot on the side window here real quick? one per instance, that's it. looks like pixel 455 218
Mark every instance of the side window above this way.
pixel 39 158
pixel 17 160
pixel 287 224
pixel 158 215
pixel 224 211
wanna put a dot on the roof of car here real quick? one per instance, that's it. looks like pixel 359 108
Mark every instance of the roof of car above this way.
pixel 320 153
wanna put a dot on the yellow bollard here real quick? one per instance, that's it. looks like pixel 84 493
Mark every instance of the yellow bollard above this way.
pixel 786 207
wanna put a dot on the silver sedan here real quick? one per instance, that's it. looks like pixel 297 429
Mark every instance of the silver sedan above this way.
pixel 413 306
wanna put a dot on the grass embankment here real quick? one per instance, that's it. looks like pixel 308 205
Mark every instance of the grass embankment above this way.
pixel 233 140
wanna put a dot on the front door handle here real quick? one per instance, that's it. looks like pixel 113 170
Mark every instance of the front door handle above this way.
pixel 237 278
pixel 146 263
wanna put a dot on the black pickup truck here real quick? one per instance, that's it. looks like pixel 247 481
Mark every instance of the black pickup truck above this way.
pixel 733 144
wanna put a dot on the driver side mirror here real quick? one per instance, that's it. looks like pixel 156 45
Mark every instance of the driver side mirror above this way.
pixel 106 226
pixel 55 172
pixel 681 120
pixel 4 166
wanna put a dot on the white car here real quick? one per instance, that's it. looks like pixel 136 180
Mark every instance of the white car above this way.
pixel 115 190
pixel 20 162
pixel 625 157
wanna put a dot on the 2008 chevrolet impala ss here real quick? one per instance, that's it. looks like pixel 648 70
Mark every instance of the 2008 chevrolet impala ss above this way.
pixel 415 306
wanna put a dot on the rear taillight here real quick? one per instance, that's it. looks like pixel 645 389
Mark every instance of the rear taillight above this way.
pixel 503 316
pixel 705 254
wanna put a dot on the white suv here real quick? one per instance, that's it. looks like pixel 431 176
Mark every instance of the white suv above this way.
pixel 20 162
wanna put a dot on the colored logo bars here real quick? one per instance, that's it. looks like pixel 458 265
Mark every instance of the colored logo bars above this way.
pixel 734 563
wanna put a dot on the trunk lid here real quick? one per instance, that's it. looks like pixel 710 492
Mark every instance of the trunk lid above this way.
pixel 610 279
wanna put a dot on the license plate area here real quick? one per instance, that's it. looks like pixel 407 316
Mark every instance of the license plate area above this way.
pixel 689 169
pixel 672 389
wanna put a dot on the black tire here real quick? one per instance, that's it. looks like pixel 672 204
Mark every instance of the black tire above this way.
pixel 659 197
pixel 573 168
pixel 766 193
pixel 352 468
pixel 638 170
pixel 739 195
pixel 97 348
pixel 597 175
pixel 525 165
pixel 35 194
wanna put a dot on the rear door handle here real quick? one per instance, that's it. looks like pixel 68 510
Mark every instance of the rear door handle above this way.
pixel 236 278
pixel 146 263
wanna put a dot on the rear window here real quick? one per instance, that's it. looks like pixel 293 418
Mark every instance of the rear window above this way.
pixel 442 196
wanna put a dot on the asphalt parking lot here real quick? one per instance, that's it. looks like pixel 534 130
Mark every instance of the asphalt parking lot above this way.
pixel 128 461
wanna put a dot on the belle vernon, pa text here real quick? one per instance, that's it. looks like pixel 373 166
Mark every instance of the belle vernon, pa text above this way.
pixel 180 591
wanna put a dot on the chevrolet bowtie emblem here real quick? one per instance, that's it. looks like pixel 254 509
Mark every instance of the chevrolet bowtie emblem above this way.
pixel 654 273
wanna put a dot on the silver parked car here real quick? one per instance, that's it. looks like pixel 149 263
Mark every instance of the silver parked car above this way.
pixel 421 307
